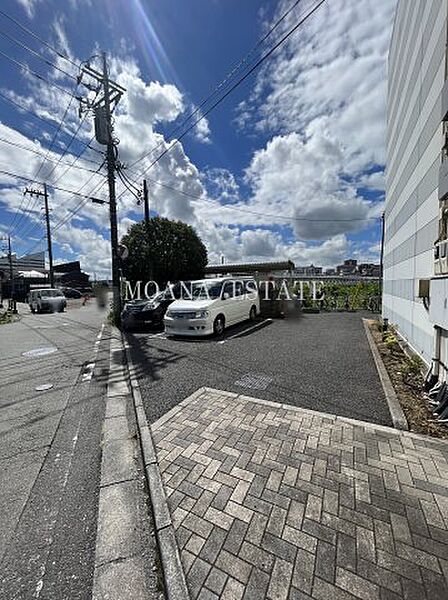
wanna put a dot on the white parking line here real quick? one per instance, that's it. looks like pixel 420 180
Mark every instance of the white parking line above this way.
pixel 248 330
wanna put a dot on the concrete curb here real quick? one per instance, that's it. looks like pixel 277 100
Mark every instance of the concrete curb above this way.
pixel 119 570
pixel 173 571
pixel 396 412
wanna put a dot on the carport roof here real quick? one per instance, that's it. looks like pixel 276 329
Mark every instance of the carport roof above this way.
pixel 260 267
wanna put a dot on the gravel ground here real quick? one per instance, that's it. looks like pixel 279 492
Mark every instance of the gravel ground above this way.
pixel 321 361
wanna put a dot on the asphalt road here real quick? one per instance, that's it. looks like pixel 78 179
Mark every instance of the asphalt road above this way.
pixel 321 361
pixel 50 452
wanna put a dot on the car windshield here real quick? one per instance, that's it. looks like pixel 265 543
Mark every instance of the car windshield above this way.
pixel 206 289
pixel 50 293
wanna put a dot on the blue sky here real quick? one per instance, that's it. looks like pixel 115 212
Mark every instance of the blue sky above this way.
pixel 290 165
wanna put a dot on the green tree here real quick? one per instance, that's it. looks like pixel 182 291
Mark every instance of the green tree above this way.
pixel 163 251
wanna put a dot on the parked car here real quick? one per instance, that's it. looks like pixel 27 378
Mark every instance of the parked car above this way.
pixel 47 299
pixel 138 313
pixel 214 305
pixel 72 293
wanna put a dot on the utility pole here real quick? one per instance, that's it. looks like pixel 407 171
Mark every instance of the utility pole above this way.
pixel 112 197
pixel 50 247
pixel 11 271
pixel 44 194
pixel 102 108
pixel 146 201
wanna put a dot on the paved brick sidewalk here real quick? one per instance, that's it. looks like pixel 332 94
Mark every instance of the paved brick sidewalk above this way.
pixel 272 501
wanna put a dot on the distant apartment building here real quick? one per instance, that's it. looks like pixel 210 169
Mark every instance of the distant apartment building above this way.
pixel 415 264
pixel 350 267
pixel 310 271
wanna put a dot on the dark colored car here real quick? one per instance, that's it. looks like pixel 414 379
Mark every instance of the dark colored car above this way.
pixel 140 313
pixel 72 293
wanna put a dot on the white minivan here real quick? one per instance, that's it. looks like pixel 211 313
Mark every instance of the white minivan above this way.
pixel 47 299
pixel 211 305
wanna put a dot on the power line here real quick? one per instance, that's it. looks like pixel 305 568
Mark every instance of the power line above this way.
pixel 223 82
pixel 59 189
pixel 259 214
pixel 47 122
pixel 24 66
pixel 36 54
pixel 72 212
pixel 42 41
pixel 18 216
pixel 23 147
pixel 84 201
pixel 235 85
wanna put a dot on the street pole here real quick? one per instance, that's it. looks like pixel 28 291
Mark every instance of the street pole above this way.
pixel 33 192
pixel 146 201
pixel 50 247
pixel 111 166
pixel 11 270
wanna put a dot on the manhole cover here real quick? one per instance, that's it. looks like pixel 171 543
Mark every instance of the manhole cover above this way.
pixel 254 381
pixel 40 352
pixel 44 387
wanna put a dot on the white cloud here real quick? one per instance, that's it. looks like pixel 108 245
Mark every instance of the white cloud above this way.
pixel 333 67
pixel 259 243
pixel 29 6
pixel 221 184
pixel 302 177
pixel 373 181
pixel 202 131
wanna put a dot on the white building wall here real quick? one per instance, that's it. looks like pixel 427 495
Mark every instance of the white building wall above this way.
pixel 414 143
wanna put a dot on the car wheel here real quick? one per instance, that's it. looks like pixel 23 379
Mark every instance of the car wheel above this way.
pixel 219 325
pixel 253 313
pixel 33 310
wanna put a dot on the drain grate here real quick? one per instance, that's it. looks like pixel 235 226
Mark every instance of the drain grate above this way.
pixel 254 381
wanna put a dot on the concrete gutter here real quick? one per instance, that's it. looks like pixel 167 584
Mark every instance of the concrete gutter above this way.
pixel 173 571
pixel 396 412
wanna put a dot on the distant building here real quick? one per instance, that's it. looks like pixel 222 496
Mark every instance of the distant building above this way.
pixel 309 271
pixel 369 270
pixel 30 262
pixel 70 275
pixel 350 267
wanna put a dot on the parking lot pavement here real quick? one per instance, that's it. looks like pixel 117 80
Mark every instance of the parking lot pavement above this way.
pixel 272 501
pixel 320 361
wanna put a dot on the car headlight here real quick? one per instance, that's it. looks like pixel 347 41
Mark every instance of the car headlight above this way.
pixel 152 305
pixel 201 314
